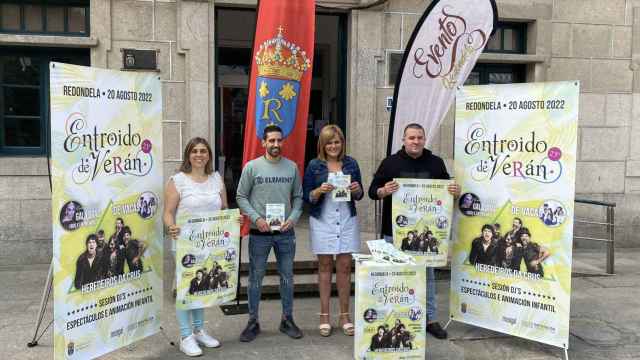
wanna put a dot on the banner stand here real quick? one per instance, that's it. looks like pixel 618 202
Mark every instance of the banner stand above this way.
pixel 46 293
pixel 451 319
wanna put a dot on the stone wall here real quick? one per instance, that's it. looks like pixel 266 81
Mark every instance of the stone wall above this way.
pixel 596 42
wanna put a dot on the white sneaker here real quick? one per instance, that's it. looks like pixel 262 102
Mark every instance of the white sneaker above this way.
pixel 189 346
pixel 205 339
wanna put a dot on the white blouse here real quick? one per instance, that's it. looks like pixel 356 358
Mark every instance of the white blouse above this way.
pixel 196 196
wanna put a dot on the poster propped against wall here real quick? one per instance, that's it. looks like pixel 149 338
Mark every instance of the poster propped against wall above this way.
pixel 207 258
pixel 515 151
pixel 106 168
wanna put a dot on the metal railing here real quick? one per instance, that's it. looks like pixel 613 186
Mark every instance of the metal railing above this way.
pixel 610 230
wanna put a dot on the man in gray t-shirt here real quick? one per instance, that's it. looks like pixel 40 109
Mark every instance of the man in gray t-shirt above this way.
pixel 270 194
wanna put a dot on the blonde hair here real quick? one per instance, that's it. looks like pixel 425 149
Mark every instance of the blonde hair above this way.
pixel 327 134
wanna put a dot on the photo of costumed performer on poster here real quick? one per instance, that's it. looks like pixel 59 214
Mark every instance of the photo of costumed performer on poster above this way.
pixel 133 250
pixel 217 278
pixel 516 229
pixel 101 243
pixel 198 283
pixel 484 247
pixel 89 266
pixel 431 243
pixel 71 215
pixel 114 259
pixel 533 253
pixel 509 255
pixel 395 338
pixel 410 242
pixel 119 234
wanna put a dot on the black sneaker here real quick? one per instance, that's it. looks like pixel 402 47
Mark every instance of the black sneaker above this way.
pixel 290 328
pixel 436 330
pixel 251 331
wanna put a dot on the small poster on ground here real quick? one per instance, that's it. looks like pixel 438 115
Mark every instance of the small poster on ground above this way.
pixel 207 258
pixel 341 184
pixel 421 219
pixel 390 312
pixel 275 216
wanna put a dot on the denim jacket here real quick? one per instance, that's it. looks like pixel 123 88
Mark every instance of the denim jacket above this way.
pixel 317 173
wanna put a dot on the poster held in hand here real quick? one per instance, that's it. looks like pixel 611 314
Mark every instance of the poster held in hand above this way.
pixel 422 211
pixel 207 258
pixel 275 216
pixel 341 185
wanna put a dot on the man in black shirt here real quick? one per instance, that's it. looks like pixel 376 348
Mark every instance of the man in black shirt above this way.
pixel 413 161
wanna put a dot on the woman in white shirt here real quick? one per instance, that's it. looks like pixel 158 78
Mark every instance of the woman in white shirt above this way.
pixel 195 188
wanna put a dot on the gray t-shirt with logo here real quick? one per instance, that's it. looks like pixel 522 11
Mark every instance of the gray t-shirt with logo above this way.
pixel 270 182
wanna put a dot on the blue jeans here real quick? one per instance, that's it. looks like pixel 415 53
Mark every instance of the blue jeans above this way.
pixel 260 246
pixel 432 305
pixel 190 321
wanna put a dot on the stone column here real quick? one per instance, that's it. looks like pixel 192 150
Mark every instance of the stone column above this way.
pixel 633 162
pixel 196 43
pixel 365 136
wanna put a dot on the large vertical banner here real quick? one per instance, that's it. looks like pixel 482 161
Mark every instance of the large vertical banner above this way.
pixel 280 81
pixel 421 213
pixel 515 152
pixel 207 258
pixel 390 311
pixel 106 167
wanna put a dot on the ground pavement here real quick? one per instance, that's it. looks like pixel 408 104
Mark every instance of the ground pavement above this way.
pixel 605 323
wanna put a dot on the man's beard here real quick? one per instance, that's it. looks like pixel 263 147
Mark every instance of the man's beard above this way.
pixel 275 152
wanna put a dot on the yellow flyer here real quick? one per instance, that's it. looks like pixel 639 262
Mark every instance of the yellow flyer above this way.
pixel 515 152
pixel 106 168
pixel 421 213
pixel 390 311
pixel 207 258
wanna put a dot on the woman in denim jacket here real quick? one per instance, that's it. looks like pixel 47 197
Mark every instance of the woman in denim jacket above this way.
pixel 333 224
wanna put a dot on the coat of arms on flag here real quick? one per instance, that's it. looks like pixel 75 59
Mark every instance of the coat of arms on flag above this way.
pixel 281 64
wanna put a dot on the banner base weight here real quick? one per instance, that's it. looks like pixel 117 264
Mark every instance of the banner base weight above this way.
pixel 235 309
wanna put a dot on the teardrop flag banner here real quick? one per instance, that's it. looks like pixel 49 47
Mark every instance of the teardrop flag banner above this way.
pixel 440 54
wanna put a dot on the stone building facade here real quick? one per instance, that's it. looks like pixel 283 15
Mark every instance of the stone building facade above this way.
pixel 596 42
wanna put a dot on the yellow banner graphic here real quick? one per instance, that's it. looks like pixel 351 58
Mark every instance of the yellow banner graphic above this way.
pixel 106 168
pixel 515 152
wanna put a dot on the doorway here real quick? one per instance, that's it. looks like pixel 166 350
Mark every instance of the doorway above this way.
pixel 235 28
